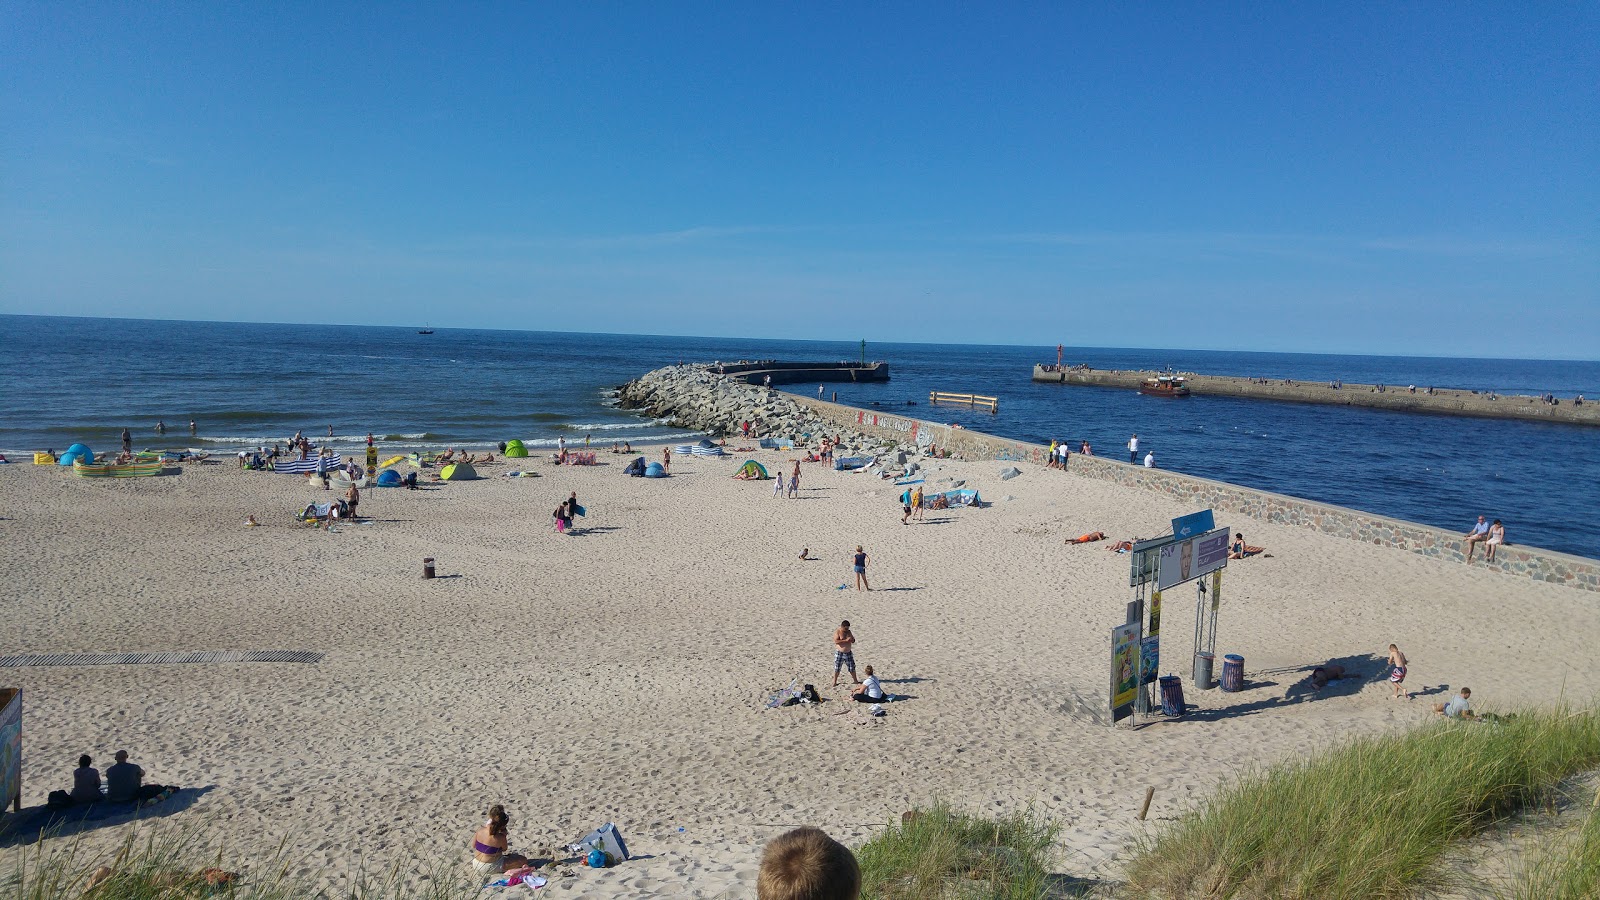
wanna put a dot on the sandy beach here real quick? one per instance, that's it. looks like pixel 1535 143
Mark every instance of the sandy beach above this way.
pixel 618 674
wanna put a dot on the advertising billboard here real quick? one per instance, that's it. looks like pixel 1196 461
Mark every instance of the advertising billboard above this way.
pixel 1187 560
pixel 1124 669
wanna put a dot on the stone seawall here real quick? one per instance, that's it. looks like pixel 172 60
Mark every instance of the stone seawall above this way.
pixel 694 398
pixel 1442 402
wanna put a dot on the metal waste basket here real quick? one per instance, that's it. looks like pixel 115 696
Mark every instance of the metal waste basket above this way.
pixel 1172 696
pixel 427 567
pixel 1233 673
pixel 1203 663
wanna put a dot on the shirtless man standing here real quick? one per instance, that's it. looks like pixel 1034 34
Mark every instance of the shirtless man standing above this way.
pixel 844 642
pixel 1397 671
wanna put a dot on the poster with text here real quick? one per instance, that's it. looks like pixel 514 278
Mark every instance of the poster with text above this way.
pixel 1124 672
pixel 1149 659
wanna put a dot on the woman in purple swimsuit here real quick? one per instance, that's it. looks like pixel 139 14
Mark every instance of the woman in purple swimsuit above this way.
pixel 489 845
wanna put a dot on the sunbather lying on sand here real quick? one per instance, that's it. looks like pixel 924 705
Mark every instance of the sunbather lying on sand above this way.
pixel 1089 538
pixel 1120 547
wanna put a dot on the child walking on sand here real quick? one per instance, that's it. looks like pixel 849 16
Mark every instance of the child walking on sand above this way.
pixel 777 486
pixel 861 569
pixel 1397 671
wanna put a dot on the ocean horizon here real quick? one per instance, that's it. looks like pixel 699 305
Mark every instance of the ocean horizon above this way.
pixel 251 384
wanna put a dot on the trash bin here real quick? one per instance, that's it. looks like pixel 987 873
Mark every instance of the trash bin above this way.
pixel 1233 672
pixel 1172 696
pixel 1203 663
pixel 427 567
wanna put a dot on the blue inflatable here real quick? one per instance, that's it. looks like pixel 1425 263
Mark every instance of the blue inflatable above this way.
pixel 76 453
pixel 654 470
pixel 388 478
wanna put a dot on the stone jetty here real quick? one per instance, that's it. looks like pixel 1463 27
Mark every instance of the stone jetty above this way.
pixel 1441 401
pixel 697 397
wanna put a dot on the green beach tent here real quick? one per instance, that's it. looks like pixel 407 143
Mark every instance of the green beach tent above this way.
pixel 458 472
pixel 752 471
pixel 515 450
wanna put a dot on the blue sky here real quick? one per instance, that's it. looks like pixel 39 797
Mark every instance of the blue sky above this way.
pixel 1415 179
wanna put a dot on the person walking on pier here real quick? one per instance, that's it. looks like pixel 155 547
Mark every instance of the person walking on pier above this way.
pixel 1133 450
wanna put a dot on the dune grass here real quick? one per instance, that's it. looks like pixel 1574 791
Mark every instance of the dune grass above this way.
pixel 1369 819
pixel 1568 870
pixel 940 853
pixel 160 864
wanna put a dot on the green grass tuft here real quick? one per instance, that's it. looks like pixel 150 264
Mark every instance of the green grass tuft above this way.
pixel 151 867
pixel 940 853
pixel 1369 819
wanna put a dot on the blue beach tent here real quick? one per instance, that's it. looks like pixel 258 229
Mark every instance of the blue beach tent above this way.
pixel 388 478
pixel 654 470
pixel 76 453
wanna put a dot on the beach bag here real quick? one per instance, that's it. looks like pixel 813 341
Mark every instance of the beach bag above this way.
pixel 608 840
pixel 58 800
pixel 809 694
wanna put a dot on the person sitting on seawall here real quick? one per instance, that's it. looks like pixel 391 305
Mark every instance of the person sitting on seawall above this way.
pixel 869 691
pixel 489 845
pixel 1497 536
pixel 125 782
pixel 86 781
pixel 806 864
pixel 1478 534
pixel 1459 706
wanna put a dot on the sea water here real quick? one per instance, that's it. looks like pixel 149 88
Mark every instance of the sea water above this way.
pixel 244 385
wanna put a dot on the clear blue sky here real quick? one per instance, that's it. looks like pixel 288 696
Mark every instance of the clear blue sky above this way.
pixel 1390 178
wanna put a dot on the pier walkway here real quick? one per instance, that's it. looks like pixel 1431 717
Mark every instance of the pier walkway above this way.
pixel 1443 401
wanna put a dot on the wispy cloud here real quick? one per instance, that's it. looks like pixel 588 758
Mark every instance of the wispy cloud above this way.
pixel 1290 245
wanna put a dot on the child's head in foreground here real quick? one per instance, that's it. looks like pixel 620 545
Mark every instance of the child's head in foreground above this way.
pixel 806 864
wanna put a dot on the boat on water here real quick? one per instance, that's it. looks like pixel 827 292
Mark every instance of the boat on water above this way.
pixel 137 469
pixel 1165 386
pixel 424 331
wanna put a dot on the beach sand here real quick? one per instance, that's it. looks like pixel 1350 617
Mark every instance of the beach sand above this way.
pixel 618 674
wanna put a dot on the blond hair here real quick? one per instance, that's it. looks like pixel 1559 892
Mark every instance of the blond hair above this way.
pixel 806 864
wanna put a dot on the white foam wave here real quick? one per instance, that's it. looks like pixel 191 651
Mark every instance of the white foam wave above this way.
pixel 612 426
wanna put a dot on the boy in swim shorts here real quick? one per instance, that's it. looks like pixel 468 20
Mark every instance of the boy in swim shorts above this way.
pixel 844 657
pixel 1397 672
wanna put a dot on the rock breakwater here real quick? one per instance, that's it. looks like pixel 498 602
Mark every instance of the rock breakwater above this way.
pixel 693 396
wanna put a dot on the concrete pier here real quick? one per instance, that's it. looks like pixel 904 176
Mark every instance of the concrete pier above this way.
pixel 1442 402
pixel 801 372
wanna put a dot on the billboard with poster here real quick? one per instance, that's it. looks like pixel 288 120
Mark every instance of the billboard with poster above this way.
pixel 1187 560
pixel 10 747
pixel 1124 674
pixel 1149 659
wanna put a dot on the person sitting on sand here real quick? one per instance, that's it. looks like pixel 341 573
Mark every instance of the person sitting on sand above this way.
pixel 250 522
pixel 1240 550
pixel 870 691
pixel 489 845
pixel 1089 538
pixel 86 781
pixel 805 553
pixel 125 782
pixel 806 864
pixel 1459 706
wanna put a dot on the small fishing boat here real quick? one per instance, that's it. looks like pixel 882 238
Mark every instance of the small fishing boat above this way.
pixel 1165 386
pixel 137 469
